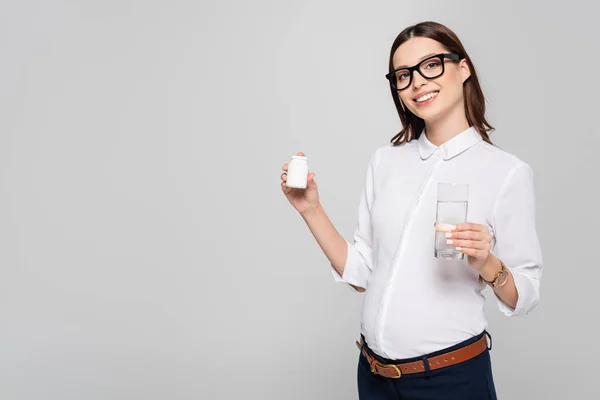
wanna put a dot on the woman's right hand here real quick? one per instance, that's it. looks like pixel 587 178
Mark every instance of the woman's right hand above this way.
pixel 301 199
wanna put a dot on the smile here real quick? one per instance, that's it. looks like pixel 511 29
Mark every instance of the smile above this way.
pixel 427 98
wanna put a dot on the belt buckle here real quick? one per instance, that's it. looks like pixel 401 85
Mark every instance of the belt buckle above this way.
pixel 397 370
pixel 373 370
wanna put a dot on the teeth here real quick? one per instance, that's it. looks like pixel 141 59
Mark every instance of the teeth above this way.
pixel 426 97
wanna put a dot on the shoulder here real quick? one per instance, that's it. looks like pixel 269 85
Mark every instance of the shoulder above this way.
pixel 510 174
pixel 501 160
pixel 378 154
pixel 388 150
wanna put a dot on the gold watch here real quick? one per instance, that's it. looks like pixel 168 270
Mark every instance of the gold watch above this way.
pixel 500 279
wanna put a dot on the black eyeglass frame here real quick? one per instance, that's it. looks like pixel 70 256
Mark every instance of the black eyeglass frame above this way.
pixel 392 75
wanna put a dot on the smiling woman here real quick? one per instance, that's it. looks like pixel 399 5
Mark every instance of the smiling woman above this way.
pixel 423 331
pixel 441 61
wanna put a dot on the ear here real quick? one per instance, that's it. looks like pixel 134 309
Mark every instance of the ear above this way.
pixel 465 71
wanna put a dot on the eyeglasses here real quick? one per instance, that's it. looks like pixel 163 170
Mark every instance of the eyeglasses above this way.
pixel 429 68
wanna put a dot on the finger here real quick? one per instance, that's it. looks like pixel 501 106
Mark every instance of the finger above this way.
pixel 444 227
pixel 300 153
pixel 469 244
pixel 285 167
pixel 284 177
pixel 473 252
pixel 470 226
pixel 471 235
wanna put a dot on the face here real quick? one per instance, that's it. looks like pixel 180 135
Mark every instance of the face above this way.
pixel 447 89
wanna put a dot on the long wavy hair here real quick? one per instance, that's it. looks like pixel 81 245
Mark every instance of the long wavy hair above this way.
pixel 412 125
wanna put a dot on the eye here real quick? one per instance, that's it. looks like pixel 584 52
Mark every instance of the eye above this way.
pixel 402 75
pixel 432 64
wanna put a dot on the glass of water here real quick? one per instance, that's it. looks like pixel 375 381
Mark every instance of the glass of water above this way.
pixel 452 201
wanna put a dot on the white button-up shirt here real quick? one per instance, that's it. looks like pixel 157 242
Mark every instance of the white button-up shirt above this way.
pixel 415 303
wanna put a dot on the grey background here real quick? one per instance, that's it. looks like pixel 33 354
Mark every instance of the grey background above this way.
pixel 146 249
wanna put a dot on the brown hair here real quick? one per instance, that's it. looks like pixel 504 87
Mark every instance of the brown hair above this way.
pixel 473 95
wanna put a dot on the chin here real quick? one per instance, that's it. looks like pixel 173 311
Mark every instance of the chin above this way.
pixel 428 115
pixel 434 113
pixel 431 115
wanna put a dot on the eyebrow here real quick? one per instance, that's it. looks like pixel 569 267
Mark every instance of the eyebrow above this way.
pixel 421 59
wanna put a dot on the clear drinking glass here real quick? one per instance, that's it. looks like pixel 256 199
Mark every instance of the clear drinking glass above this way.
pixel 452 203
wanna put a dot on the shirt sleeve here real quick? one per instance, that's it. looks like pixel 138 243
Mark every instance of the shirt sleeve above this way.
pixel 359 260
pixel 516 239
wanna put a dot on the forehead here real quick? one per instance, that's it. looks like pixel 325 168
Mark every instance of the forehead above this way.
pixel 414 49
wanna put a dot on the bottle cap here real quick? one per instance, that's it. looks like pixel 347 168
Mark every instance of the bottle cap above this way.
pixel 300 157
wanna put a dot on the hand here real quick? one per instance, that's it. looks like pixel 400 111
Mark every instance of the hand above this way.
pixel 301 199
pixel 472 239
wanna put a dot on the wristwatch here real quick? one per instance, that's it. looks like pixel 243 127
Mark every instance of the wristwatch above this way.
pixel 500 278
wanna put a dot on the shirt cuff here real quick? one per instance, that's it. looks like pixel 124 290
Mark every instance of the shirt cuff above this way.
pixel 338 279
pixel 352 270
pixel 526 299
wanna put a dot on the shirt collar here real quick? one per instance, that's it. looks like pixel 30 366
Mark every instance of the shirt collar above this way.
pixel 451 148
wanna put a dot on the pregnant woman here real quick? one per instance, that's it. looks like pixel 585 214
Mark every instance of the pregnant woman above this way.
pixel 423 331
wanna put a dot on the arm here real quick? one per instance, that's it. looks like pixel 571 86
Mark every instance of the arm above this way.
pixel 351 262
pixel 508 292
pixel 331 242
pixel 517 244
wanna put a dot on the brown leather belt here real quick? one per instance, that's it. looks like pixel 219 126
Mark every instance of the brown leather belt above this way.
pixel 440 361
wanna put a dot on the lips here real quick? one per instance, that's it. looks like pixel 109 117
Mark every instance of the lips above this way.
pixel 425 94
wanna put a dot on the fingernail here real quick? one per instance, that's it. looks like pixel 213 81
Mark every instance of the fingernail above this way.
pixel 449 234
pixel 449 241
pixel 452 227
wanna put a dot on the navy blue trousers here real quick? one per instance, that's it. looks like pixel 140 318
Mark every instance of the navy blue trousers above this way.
pixel 469 380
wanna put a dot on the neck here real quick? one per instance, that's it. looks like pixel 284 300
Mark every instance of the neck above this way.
pixel 444 129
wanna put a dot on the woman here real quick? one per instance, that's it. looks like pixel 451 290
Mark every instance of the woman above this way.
pixel 423 328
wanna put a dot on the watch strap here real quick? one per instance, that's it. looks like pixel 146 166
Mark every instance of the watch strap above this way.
pixel 494 281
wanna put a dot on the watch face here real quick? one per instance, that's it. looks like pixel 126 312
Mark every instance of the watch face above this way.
pixel 502 278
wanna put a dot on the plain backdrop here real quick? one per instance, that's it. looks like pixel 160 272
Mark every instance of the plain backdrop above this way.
pixel 146 248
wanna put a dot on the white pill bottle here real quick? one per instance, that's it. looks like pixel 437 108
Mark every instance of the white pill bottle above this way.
pixel 297 173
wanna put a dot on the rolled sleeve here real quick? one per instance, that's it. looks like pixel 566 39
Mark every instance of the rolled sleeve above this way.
pixel 516 239
pixel 358 266
pixel 359 260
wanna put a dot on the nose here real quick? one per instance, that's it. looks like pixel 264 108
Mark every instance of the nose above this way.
pixel 418 80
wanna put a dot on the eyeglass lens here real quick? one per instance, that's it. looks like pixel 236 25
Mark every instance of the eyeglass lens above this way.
pixel 430 68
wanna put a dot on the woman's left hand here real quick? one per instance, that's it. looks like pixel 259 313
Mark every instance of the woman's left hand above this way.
pixel 474 240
